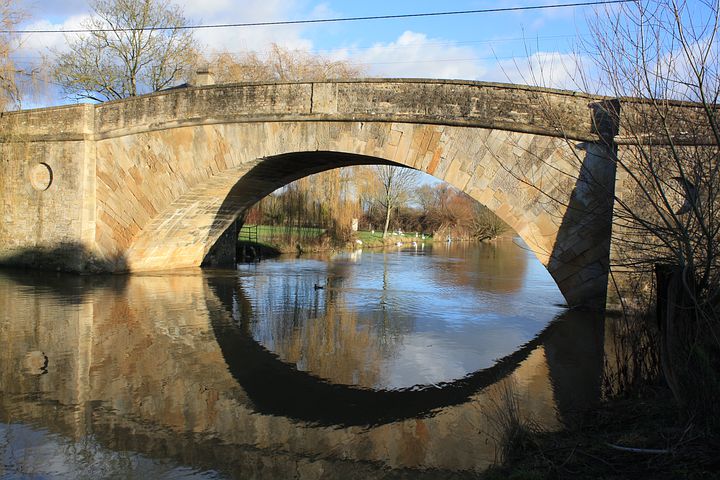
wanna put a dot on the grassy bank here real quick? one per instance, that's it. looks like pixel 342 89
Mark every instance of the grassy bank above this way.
pixel 638 438
pixel 375 240
pixel 638 430
pixel 278 239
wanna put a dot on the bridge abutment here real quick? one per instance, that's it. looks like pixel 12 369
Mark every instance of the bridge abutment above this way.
pixel 48 189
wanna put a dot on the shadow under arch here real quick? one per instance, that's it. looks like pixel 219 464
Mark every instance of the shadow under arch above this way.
pixel 279 388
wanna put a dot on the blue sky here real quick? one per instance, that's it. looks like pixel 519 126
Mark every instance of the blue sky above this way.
pixel 489 47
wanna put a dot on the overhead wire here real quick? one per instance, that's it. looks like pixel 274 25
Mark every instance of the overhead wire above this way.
pixel 394 46
pixel 323 20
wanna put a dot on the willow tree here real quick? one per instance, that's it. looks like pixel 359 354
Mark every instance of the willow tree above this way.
pixel 131 47
pixel 278 64
pixel 10 16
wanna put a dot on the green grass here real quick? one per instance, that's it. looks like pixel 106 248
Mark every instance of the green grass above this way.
pixel 270 232
pixel 276 237
pixel 375 239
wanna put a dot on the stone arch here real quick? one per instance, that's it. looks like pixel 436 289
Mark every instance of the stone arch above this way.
pixel 165 196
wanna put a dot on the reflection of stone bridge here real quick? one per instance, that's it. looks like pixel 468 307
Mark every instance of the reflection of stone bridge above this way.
pixel 153 182
pixel 152 364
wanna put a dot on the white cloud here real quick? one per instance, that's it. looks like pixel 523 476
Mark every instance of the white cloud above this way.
pixel 545 69
pixel 208 8
pixel 416 55
pixel 37 44
pixel 196 12
pixel 249 11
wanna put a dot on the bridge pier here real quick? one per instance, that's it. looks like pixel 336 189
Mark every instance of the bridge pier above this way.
pixel 580 260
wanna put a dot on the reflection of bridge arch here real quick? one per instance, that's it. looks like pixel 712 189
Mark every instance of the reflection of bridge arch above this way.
pixel 279 388
pixel 147 374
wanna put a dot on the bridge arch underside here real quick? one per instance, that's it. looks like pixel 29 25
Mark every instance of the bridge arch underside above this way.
pixel 164 197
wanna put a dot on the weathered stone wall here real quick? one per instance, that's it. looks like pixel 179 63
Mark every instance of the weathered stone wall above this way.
pixel 47 187
pixel 443 102
pixel 165 197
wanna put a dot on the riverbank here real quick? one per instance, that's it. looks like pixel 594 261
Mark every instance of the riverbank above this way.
pixel 276 240
pixel 269 242
pixel 622 438
pixel 375 239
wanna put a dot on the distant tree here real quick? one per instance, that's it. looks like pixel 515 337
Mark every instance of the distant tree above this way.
pixel 485 225
pixel 433 201
pixel 135 47
pixel 397 184
pixel 278 64
pixel 448 211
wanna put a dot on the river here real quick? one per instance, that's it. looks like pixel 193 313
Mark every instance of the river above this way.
pixel 376 364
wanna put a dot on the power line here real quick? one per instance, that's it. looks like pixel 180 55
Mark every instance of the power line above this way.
pixel 331 20
pixel 401 62
pixel 389 46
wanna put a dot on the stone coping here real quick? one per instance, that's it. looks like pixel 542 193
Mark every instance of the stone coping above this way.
pixel 492 105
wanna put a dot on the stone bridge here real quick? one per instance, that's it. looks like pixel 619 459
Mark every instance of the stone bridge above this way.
pixel 153 182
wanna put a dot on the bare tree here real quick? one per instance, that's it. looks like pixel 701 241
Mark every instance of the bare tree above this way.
pixel 278 64
pixel 10 16
pixel 658 60
pixel 447 211
pixel 135 47
pixel 17 82
pixel 667 214
pixel 396 186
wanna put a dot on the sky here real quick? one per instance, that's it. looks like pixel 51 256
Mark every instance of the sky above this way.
pixel 531 47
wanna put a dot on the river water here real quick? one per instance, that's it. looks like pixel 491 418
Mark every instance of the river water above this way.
pixel 394 364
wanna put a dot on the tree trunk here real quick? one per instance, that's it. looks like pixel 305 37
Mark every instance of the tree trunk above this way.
pixel 387 221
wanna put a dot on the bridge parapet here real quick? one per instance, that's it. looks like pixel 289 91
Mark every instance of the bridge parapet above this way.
pixel 442 102
pixel 662 122
pixel 66 123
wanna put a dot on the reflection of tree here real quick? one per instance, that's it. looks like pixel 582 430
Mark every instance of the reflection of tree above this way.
pixel 316 329
pixel 334 346
pixel 496 267
pixel 392 324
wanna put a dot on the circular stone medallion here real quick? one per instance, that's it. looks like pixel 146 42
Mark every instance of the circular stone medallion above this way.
pixel 41 176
